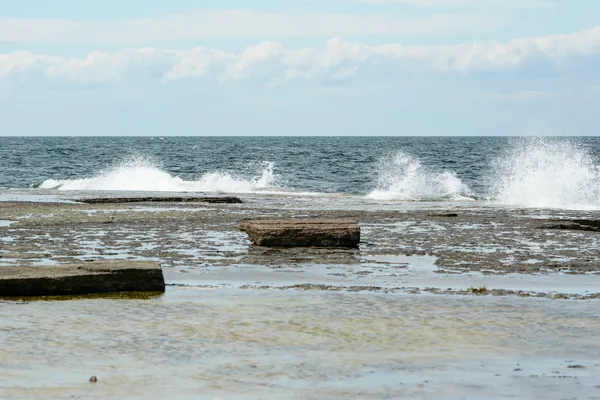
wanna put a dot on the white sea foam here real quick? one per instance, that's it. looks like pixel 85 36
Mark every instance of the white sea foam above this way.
pixel 140 174
pixel 547 173
pixel 401 176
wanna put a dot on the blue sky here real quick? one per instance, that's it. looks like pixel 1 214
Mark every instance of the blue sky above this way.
pixel 311 67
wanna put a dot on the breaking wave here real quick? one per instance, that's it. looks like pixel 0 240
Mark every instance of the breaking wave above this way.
pixel 141 174
pixel 401 176
pixel 547 173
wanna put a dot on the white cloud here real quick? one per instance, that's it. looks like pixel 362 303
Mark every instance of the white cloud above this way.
pixel 101 67
pixel 202 25
pixel 338 60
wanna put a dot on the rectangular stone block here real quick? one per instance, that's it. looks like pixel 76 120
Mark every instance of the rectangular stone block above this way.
pixel 303 232
pixel 80 279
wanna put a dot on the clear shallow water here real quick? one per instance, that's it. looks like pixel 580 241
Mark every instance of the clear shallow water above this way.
pixel 532 172
pixel 207 344
pixel 383 272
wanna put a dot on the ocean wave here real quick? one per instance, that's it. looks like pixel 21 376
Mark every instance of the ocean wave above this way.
pixel 547 173
pixel 401 176
pixel 141 174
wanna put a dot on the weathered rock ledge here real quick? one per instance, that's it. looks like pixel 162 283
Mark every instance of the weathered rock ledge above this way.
pixel 573 225
pixel 302 232
pixel 159 199
pixel 79 279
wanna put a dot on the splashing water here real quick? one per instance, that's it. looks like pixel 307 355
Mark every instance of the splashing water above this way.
pixel 547 173
pixel 222 181
pixel 141 174
pixel 403 177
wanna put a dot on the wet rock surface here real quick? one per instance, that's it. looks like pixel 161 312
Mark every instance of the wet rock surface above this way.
pixel 81 279
pixel 202 240
pixel 303 232
pixel 162 199
pixel 574 225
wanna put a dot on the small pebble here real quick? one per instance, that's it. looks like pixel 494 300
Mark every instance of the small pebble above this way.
pixel 93 379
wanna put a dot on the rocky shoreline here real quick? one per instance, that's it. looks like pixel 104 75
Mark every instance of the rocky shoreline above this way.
pixel 189 238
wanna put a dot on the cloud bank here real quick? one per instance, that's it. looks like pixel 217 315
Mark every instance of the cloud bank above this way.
pixel 273 62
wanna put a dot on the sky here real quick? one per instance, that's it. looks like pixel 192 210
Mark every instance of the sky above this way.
pixel 300 67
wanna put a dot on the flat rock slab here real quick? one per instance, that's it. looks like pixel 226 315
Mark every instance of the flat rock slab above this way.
pixel 302 232
pixel 79 279
pixel 183 199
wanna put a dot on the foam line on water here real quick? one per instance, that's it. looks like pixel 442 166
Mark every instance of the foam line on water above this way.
pixel 402 176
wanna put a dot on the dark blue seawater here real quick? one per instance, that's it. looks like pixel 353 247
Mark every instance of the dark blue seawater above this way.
pixel 405 168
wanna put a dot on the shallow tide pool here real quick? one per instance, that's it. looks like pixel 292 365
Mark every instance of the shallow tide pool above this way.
pixel 194 343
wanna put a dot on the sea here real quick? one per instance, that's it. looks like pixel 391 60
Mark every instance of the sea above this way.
pixel 242 322
pixel 542 172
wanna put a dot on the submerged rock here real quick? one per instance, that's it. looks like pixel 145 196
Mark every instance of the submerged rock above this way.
pixel 303 232
pixel 81 279
pixel 444 215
